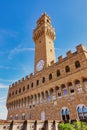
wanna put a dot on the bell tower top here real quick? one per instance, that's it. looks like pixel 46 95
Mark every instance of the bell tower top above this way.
pixel 44 22
pixel 44 36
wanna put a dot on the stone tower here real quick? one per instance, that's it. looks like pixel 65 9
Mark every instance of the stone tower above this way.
pixel 44 36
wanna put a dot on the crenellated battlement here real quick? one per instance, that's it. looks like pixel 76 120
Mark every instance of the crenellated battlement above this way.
pixel 79 48
pixel 27 77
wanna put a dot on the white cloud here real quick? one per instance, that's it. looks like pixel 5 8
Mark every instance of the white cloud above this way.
pixel 2 98
pixel 4 32
pixel 18 50
pixel 8 67
pixel 4 67
pixel 7 80
pixel 57 49
pixel 3 86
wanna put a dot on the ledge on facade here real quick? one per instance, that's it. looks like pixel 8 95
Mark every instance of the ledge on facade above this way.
pixel 18 121
pixel 5 121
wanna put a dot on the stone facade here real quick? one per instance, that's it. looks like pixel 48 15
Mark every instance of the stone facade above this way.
pixel 56 90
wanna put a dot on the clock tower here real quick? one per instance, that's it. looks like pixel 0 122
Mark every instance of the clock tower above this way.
pixel 44 36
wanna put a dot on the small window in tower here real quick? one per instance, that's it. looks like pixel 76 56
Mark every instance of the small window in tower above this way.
pixel 37 83
pixel 50 76
pixel 43 80
pixel 48 21
pixel 67 69
pixel 50 50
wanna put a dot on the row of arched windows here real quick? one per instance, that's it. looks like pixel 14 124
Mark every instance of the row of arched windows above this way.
pixel 58 73
pixel 49 95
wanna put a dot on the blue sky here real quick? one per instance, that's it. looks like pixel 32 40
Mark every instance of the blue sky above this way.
pixel 17 21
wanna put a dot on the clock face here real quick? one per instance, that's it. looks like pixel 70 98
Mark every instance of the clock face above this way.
pixel 40 65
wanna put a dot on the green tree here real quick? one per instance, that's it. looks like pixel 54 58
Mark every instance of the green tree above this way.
pixel 66 126
pixel 75 126
pixel 80 125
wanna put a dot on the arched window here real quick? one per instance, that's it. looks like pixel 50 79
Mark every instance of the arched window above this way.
pixel 43 80
pixel 30 116
pixel 65 113
pixel 32 85
pixel 23 116
pixel 42 97
pixel 38 101
pixel 64 89
pixel 43 116
pixel 77 64
pixel 85 112
pixel 11 117
pixel 16 92
pixel 52 96
pixel 71 88
pixel 24 88
pixel 85 83
pixel 82 112
pixel 32 99
pixel 67 69
pixel 58 73
pixel 20 90
pixel 78 86
pixel 58 91
pixel 25 101
pixel 12 93
pixel 47 96
pixel 37 83
pixel 35 99
pixel 50 76
pixel 16 117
